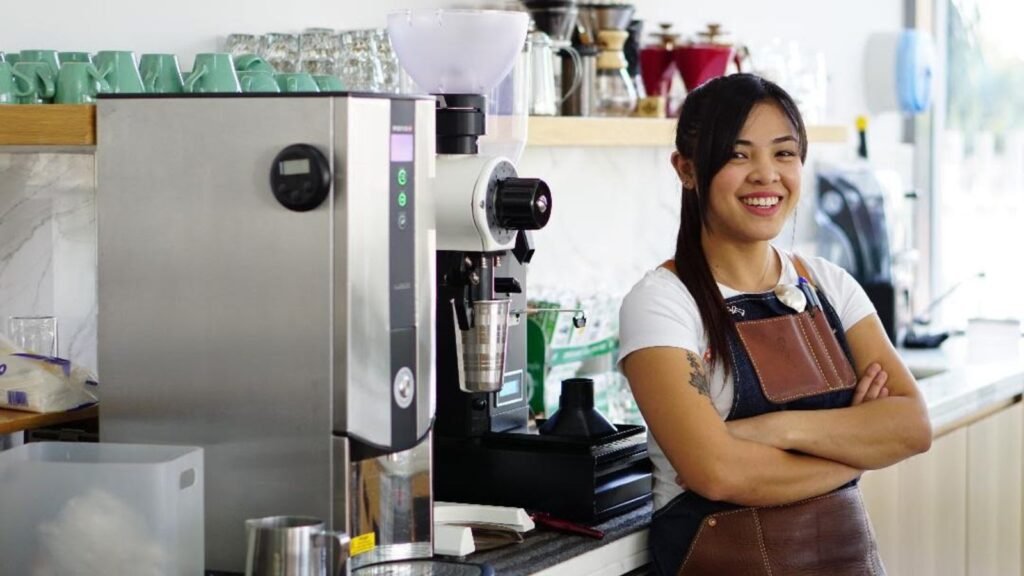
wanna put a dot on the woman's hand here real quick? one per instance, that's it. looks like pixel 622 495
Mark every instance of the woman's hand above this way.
pixel 771 428
pixel 871 385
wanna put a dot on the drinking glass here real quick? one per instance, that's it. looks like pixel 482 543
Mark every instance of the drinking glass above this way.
pixel 318 67
pixel 318 44
pixel 34 334
pixel 238 44
pixel 281 50
pixel 318 48
pixel 358 64
pixel 391 71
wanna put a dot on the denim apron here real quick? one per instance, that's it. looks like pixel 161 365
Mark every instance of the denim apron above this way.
pixel 674 527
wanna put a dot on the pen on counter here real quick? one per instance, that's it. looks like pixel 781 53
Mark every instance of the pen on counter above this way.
pixel 548 521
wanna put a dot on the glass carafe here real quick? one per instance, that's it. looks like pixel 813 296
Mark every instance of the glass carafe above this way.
pixel 614 91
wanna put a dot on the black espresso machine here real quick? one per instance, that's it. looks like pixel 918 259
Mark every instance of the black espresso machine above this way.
pixel 853 232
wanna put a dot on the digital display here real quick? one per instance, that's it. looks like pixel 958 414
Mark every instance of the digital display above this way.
pixel 294 167
pixel 510 388
pixel 401 147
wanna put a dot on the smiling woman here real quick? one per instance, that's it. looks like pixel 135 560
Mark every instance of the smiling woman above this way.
pixel 766 379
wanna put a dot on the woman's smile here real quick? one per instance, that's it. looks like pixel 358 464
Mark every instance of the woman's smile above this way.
pixel 765 204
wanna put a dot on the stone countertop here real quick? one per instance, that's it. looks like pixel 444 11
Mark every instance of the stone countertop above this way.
pixel 955 389
pixel 544 552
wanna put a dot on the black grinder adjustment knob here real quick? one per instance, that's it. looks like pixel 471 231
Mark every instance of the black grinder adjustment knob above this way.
pixel 522 203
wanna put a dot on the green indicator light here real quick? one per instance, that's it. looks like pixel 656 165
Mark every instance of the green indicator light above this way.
pixel 402 199
pixel 403 177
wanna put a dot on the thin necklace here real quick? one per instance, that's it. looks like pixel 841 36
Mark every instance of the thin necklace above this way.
pixel 767 267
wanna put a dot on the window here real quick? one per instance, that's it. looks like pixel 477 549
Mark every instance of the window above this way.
pixel 979 156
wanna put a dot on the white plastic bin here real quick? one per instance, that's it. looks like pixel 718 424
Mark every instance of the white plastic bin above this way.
pixel 77 509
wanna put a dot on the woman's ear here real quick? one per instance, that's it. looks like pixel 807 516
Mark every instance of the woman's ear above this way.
pixel 684 168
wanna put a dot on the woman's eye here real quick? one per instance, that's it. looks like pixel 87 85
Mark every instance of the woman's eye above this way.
pixel 738 155
pixel 787 153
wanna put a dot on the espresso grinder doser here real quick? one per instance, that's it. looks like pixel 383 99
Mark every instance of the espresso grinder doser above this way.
pixel 484 450
pixel 483 211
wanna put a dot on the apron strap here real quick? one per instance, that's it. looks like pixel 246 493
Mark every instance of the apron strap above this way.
pixel 801 269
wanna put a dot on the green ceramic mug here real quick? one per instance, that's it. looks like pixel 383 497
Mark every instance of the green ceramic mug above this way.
pixel 328 83
pixel 119 69
pixel 253 63
pixel 256 81
pixel 161 74
pixel 213 72
pixel 9 91
pixel 48 56
pixel 74 57
pixel 34 83
pixel 296 82
pixel 79 83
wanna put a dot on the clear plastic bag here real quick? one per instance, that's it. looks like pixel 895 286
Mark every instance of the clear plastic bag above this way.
pixel 35 383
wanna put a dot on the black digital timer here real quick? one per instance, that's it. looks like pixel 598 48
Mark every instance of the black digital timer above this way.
pixel 300 177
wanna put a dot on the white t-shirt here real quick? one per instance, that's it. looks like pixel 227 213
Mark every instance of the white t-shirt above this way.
pixel 659 311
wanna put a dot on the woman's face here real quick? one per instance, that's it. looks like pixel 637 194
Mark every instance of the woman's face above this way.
pixel 754 193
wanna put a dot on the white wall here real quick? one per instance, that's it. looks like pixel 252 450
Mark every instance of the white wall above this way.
pixel 616 211
pixel 186 27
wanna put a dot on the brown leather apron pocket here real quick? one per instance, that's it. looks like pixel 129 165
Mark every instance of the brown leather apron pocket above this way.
pixel 829 534
pixel 796 356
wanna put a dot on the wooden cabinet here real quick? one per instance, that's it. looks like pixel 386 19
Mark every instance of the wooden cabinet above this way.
pixel 881 498
pixel 994 494
pixel 956 510
pixel 933 510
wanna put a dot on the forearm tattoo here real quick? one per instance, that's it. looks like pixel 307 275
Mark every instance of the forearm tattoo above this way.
pixel 697 377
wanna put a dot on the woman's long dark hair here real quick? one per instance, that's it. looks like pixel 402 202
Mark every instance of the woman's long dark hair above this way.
pixel 709 125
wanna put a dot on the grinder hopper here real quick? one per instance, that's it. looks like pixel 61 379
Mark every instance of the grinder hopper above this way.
pixel 450 52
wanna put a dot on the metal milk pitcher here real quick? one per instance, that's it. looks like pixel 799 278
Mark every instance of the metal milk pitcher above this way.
pixel 293 546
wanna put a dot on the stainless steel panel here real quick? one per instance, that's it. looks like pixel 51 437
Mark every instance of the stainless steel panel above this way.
pixel 341 494
pixel 426 244
pixel 362 314
pixel 214 301
pixel 391 495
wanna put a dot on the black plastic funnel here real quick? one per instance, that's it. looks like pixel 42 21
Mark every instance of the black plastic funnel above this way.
pixel 576 415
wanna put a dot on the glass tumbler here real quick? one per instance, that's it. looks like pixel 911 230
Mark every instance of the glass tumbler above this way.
pixel 34 334
pixel 281 50
pixel 318 48
pixel 359 66
pixel 238 44
pixel 391 70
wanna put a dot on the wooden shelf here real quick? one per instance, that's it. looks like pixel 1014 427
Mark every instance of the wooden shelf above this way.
pixel 12 421
pixel 47 125
pixel 563 131
pixel 75 125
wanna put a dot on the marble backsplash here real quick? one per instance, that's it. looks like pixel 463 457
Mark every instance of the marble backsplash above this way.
pixel 48 246
pixel 615 216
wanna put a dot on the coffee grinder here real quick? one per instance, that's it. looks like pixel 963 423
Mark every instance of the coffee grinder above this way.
pixel 484 449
